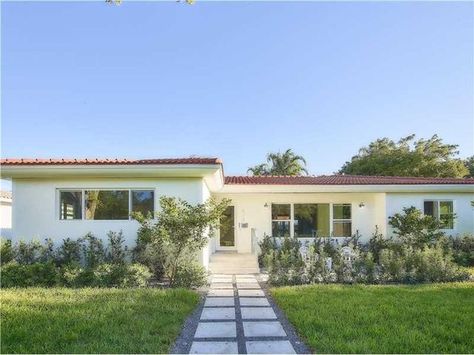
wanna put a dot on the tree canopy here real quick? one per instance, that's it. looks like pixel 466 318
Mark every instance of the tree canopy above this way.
pixel 469 162
pixel 287 163
pixel 407 157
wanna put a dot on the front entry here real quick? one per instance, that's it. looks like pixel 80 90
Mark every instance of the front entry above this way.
pixel 227 230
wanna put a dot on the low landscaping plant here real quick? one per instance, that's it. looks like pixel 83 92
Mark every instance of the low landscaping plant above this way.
pixel 419 253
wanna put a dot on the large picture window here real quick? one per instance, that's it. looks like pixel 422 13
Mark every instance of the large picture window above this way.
pixel 281 217
pixel 105 204
pixel 311 220
pixel 70 205
pixel 443 211
pixel 342 220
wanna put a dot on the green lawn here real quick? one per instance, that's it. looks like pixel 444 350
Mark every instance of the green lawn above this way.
pixel 435 318
pixel 58 320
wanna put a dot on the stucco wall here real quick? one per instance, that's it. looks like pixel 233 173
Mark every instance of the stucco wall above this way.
pixel 35 207
pixel 464 222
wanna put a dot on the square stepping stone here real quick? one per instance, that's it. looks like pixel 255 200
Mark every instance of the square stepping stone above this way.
pixel 245 275
pixel 269 347
pixel 258 313
pixel 220 293
pixel 248 285
pixel 227 313
pixel 219 302
pixel 214 347
pixel 222 279
pixel 251 293
pixel 221 285
pixel 264 329
pixel 245 281
pixel 216 330
pixel 250 301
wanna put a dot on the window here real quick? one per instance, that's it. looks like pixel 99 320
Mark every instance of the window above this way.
pixel 281 216
pixel 143 201
pixel 104 204
pixel 70 205
pixel 107 204
pixel 443 211
pixel 342 220
pixel 226 228
pixel 311 220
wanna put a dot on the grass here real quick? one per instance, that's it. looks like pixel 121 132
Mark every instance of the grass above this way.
pixel 58 320
pixel 437 318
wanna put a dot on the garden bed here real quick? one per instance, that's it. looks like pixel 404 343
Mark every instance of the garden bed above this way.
pixel 58 320
pixel 436 318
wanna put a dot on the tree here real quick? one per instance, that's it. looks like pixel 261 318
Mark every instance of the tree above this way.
pixel 180 231
pixel 407 157
pixel 287 163
pixel 414 228
pixel 469 163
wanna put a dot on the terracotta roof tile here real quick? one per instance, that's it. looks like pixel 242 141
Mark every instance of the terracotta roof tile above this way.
pixel 342 180
pixel 166 161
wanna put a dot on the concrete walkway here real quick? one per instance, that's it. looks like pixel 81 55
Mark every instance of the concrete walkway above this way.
pixel 237 317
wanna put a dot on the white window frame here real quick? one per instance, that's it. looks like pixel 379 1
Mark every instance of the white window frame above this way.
pixel 340 220
pixel 438 201
pixel 83 201
pixel 331 216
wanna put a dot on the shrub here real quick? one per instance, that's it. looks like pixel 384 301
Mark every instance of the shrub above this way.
pixel 28 252
pixel 7 253
pixel 267 244
pixel 147 250
pixel 116 251
pixel 137 276
pixel 14 274
pixel 463 249
pixel 181 230
pixel 415 229
pixel 191 275
pixel 69 252
pixel 93 251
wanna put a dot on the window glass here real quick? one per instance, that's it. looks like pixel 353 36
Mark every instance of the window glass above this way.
pixel 342 224
pixel 70 205
pixel 446 214
pixel 143 201
pixel 311 220
pixel 107 205
pixel 281 229
pixel 281 212
pixel 342 211
pixel 430 209
pixel 226 228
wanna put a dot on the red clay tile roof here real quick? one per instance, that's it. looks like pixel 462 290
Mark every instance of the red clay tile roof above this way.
pixel 171 161
pixel 342 180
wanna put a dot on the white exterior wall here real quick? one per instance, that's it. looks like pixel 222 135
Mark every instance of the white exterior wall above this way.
pixel 464 222
pixel 249 208
pixel 36 211
pixel 5 218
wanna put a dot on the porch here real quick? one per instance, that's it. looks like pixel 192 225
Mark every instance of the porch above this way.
pixel 231 262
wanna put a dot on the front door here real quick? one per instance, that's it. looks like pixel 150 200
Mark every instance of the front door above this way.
pixel 227 230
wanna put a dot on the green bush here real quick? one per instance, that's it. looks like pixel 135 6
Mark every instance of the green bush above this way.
pixel 267 244
pixel 191 275
pixel 463 249
pixel 7 252
pixel 14 274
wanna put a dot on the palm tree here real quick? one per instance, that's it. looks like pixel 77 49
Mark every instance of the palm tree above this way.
pixel 287 163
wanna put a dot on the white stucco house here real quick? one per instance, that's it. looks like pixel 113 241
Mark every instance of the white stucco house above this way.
pixel 60 198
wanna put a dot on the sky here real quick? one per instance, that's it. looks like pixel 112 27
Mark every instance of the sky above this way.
pixel 234 80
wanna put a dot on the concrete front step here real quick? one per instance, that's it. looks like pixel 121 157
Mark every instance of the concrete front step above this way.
pixel 233 263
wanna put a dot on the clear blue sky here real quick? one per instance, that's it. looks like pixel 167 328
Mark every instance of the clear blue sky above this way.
pixel 234 80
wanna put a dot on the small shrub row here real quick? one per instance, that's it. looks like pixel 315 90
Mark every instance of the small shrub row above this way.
pixel 85 262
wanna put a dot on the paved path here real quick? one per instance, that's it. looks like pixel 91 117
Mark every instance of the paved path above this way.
pixel 237 317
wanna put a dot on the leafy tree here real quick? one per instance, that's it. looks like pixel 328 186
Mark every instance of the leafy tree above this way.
pixel 415 229
pixel 469 163
pixel 180 231
pixel 287 163
pixel 407 157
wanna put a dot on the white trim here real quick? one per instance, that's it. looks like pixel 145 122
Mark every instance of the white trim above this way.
pixel 438 217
